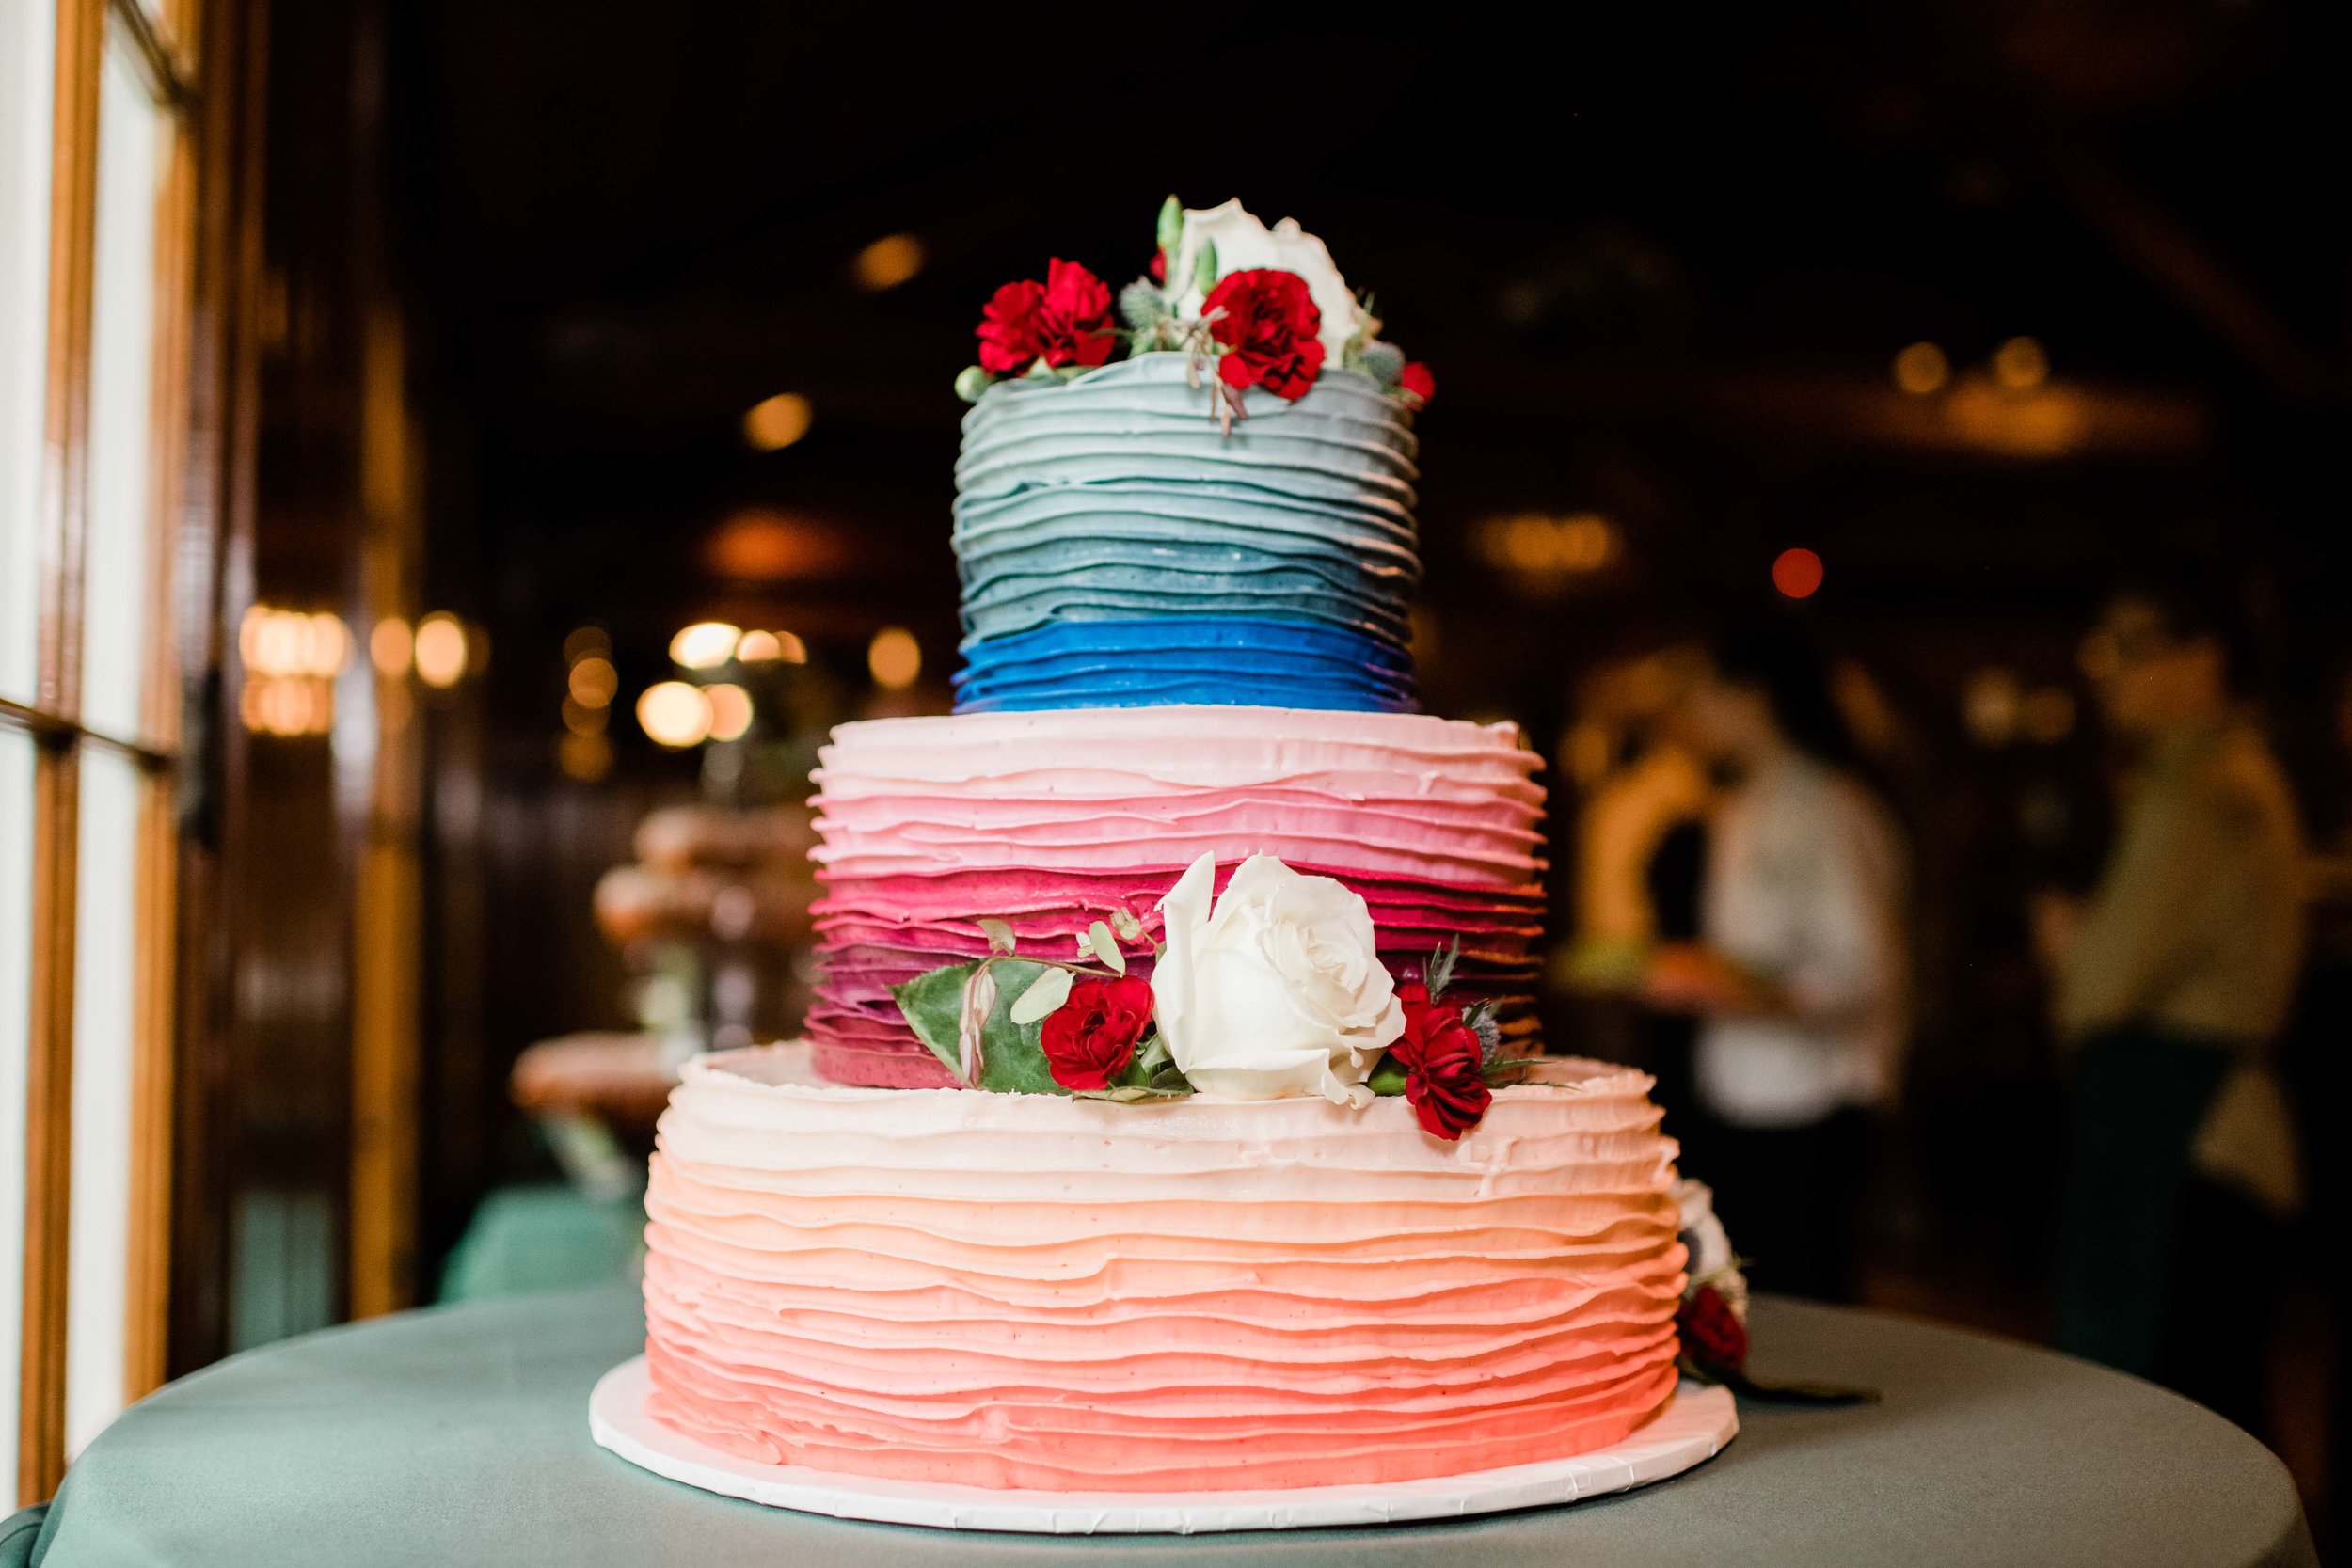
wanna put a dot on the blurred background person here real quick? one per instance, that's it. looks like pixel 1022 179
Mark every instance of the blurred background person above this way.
pixel 2173 982
pixel 1641 856
pixel 1798 978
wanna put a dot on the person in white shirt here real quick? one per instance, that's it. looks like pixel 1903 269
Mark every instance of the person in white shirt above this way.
pixel 1798 978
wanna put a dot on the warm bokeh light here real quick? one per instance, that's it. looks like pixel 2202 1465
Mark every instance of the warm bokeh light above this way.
pixel 2021 365
pixel 441 649
pixel 290 642
pixel 1991 706
pixel 730 711
pixel 586 720
pixel 585 757
pixel 287 705
pixel 1536 545
pixel 1797 572
pixel 1922 369
pixel 887 262
pixel 593 681
pixel 781 647
pixel 673 714
pixel 391 648
pixel 760 544
pixel 704 645
pixel 586 642
pixel 895 658
pixel 774 423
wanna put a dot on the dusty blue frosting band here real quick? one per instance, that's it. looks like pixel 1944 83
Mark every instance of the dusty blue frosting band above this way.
pixel 1195 659
pixel 1114 500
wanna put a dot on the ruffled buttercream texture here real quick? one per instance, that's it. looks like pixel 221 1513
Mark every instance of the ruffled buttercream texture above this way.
pixel 1052 820
pixel 1031 1291
pixel 1118 548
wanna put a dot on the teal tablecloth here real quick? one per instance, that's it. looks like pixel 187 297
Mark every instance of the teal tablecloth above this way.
pixel 459 1435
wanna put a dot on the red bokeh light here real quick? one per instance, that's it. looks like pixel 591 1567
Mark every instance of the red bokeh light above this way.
pixel 1797 572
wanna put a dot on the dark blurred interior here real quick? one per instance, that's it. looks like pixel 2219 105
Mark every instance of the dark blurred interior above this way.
pixel 1986 303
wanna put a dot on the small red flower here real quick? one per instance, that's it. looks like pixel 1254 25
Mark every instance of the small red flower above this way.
pixel 1442 1062
pixel 1007 329
pixel 1416 382
pixel 1089 1039
pixel 1268 329
pixel 1065 320
pixel 1159 268
pixel 1712 1334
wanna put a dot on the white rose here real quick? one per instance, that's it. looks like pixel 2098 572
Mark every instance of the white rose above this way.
pixel 1278 989
pixel 1244 244
pixel 1711 1261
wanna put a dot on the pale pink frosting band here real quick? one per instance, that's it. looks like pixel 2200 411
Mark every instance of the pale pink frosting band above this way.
pixel 1024 1290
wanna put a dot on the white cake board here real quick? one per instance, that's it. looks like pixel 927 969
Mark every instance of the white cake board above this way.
pixel 1693 1427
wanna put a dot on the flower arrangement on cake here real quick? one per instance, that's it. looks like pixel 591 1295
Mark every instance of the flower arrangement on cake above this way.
pixel 1274 987
pixel 1259 307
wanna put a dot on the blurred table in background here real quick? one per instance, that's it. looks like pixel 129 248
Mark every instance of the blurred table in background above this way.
pixel 624 1079
pixel 460 1435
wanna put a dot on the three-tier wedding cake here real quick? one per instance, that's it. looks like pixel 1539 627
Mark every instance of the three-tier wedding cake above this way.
pixel 1170 1117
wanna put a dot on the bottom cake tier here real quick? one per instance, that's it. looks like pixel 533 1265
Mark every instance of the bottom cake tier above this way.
pixel 1065 1294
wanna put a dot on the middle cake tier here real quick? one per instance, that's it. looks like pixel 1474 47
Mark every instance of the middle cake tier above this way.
pixel 1050 821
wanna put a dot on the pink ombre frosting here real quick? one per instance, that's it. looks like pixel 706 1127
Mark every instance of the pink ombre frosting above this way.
pixel 1052 820
pixel 1033 1292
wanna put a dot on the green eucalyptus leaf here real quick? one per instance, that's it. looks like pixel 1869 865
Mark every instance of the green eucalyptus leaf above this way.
pixel 1000 934
pixel 1170 231
pixel 933 1003
pixel 1129 1093
pixel 1105 947
pixel 971 382
pixel 1045 993
pixel 1013 1061
pixel 1387 1078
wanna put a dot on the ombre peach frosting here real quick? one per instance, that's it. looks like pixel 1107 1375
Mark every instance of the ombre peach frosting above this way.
pixel 1186 577
pixel 1074 1295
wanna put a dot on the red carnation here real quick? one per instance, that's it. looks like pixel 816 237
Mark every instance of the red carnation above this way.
pixel 1008 328
pixel 1268 329
pixel 1712 1334
pixel 1442 1062
pixel 1089 1039
pixel 1064 320
pixel 1416 382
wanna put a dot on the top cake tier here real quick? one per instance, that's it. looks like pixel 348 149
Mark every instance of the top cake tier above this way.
pixel 1118 550
pixel 1197 520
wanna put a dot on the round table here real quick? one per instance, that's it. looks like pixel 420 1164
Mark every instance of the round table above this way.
pixel 460 1435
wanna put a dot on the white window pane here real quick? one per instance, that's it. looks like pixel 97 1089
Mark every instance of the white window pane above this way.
pixel 27 51
pixel 16 980
pixel 105 963
pixel 130 148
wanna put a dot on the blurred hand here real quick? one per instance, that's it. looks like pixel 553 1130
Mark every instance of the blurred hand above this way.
pixel 1686 977
pixel 2056 918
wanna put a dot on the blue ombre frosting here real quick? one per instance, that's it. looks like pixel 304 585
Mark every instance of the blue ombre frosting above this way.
pixel 1118 550
pixel 1198 660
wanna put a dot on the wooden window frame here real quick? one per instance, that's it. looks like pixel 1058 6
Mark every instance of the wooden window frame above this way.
pixel 167 68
